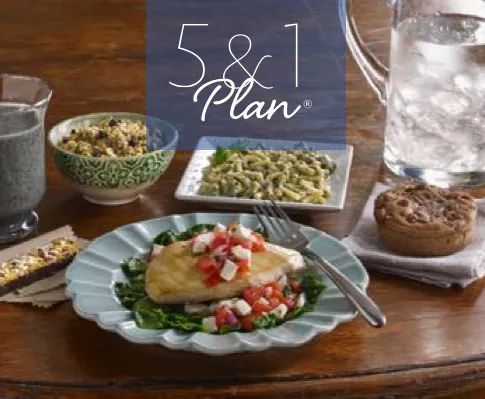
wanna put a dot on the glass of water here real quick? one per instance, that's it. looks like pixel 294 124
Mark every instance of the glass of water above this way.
pixel 23 103
pixel 434 89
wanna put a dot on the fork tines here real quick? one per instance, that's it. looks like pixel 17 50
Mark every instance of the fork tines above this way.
pixel 275 221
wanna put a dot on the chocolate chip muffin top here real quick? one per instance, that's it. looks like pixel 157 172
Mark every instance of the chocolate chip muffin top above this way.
pixel 423 207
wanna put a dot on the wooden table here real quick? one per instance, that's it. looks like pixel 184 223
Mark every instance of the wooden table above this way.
pixel 434 342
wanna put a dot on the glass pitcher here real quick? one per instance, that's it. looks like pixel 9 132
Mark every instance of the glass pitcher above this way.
pixel 434 88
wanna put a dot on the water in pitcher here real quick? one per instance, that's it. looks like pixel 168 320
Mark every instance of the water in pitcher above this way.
pixel 436 116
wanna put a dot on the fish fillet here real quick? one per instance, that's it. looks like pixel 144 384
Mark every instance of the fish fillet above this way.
pixel 172 275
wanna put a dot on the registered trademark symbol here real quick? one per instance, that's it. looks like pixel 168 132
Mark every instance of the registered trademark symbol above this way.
pixel 307 104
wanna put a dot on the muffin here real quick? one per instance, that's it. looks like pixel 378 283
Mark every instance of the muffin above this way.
pixel 420 220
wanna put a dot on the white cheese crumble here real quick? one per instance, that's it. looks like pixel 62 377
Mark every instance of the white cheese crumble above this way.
pixel 209 324
pixel 220 228
pixel 280 311
pixel 201 242
pixel 263 301
pixel 225 303
pixel 241 232
pixel 301 300
pixel 196 308
pixel 242 308
pixel 229 270
pixel 221 250
pixel 283 281
pixel 241 253
pixel 198 247
pixel 156 249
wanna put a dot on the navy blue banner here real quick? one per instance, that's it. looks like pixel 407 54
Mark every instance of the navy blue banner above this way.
pixel 255 68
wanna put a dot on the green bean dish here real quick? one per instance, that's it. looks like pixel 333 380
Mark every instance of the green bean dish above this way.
pixel 292 176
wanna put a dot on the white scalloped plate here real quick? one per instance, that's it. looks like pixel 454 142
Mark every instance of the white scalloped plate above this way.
pixel 188 187
pixel 92 275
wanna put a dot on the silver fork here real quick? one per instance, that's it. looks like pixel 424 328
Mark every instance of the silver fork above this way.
pixel 283 231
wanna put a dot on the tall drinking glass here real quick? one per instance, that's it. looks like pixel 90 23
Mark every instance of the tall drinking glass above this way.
pixel 434 89
pixel 23 103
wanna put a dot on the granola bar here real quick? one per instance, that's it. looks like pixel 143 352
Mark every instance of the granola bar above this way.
pixel 47 255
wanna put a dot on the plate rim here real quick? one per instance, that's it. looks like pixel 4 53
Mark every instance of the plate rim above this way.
pixel 231 201
pixel 244 346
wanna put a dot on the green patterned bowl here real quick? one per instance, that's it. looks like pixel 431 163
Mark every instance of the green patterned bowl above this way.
pixel 115 181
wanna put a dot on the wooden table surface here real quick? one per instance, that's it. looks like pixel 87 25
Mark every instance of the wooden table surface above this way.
pixel 92 52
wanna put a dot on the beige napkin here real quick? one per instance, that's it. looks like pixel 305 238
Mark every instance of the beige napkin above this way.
pixel 462 268
pixel 43 293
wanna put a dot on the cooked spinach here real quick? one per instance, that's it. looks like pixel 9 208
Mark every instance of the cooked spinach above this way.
pixel 225 329
pixel 299 311
pixel 287 290
pixel 129 294
pixel 267 321
pixel 134 267
pixel 168 237
pixel 195 230
pixel 132 291
pixel 152 316
pixel 312 286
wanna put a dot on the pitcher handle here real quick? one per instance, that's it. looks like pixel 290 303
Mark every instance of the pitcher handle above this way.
pixel 375 72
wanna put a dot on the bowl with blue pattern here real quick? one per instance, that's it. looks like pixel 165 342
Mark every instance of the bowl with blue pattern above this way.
pixel 116 180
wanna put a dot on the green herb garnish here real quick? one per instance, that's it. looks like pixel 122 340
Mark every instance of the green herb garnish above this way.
pixel 221 156
pixel 225 329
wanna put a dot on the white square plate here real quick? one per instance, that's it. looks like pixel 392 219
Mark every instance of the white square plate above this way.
pixel 188 187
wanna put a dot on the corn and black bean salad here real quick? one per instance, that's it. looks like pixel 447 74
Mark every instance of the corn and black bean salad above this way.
pixel 109 138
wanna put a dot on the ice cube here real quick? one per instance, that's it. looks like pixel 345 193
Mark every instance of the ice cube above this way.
pixel 440 154
pixel 397 129
pixel 463 82
pixel 480 84
pixel 414 110
pixel 466 162
pixel 430 122
pixel 397 102
pixel 409 92
pixel 435 70
pixel 453 103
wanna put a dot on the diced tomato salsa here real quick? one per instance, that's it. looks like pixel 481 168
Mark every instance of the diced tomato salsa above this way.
pixel 262 299
pixel 221 248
